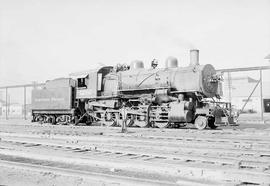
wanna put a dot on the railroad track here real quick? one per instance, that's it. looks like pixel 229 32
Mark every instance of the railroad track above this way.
pixel 229 139
pixel 96 163
pixel 82 172
pixel 218 161
pixel 251 134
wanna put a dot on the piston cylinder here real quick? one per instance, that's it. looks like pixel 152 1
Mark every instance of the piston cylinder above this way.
pixel 181 112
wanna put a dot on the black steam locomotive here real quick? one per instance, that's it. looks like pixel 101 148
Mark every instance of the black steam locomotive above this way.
pixel 169 97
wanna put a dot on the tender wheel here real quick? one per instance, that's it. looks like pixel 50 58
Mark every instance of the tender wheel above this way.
pixel 51 119
pixel 211 123
pixel 201 122
pixel 40 119
pixel 62 120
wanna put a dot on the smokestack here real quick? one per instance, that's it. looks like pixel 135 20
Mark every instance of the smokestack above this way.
pixel 194 57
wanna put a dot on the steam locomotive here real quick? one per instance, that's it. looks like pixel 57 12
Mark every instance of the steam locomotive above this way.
pixel 157 97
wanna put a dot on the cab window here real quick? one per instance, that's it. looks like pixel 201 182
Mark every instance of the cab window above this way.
pixel 81 82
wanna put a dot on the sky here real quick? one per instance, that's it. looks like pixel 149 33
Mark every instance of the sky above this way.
pixel 47 39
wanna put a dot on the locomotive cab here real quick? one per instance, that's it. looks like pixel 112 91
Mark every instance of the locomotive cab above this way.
pixel 90 83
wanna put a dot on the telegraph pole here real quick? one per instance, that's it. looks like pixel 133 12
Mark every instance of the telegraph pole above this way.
pixel 261 96
pixel 24 102
pixel 6 103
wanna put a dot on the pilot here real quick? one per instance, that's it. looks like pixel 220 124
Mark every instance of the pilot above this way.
pixel 154 63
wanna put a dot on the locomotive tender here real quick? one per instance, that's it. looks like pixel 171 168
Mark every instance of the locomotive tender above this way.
pixel 155 97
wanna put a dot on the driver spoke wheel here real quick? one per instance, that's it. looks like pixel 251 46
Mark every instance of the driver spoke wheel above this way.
pixel 201 122
pixel 109 119
pixel 141 121
pixel 129 122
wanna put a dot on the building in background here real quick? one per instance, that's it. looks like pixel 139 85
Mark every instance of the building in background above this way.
pixel 267 57
pixel 239 90
pixel 13 110
pixel 1 106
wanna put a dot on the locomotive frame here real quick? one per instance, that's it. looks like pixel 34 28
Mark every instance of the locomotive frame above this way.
pixel 164 97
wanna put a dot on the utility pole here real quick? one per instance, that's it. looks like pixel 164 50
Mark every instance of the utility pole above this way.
pixel 261 96
pixel 24 101
pixel 230 86
pixel 6 103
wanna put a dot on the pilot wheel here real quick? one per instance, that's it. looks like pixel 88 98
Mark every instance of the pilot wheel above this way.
pixel 201 122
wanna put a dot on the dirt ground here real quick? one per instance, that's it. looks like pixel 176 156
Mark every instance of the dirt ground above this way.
pixel 35 154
